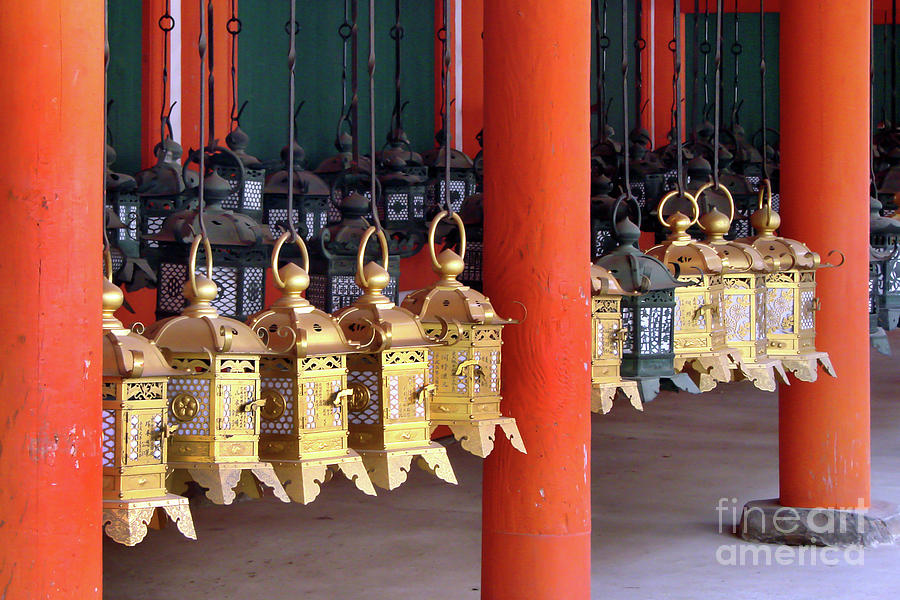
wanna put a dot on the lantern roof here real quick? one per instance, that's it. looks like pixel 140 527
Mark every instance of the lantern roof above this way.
pixel 458 160
pixel 306 183
pixel 200 330
pixel 450 300
pixel 224 227
pixel 126 353
pixel 634 270
pixel 604 283
pixel 394 172
pixel 690 256
pixel 737 255
pixel 315 332
pixel 238 141
pixel 784 252
pixel 879 224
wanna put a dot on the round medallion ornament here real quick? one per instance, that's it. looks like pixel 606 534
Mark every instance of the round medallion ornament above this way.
pixel 185 407
pixel 360 398
pixel 274 405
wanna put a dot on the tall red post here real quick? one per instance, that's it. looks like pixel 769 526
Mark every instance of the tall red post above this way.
pixel 536 507
pixel 824 426
pixel 51 112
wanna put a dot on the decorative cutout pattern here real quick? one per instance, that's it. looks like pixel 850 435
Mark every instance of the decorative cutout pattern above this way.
pixel 109 438
pixel 371 415
pixel 780 310
pixel 199 389
pixel 285 422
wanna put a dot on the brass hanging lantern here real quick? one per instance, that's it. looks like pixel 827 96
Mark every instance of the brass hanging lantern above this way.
pixel 465 373
pixel 391 381
pixel 791 302
pixel 135 431
pixel 304 428
pixel 699 332
pixel 744 300
pixel 607 338
pixel 216 401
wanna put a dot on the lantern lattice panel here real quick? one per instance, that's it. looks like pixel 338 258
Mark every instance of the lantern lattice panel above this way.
pixel 761 311
pixel 780 310
pixel 199 390
pixel 128 214
pixel 628 327
pixel 153 224
pixel 344 291
pixel 254 180
pixel 371 414
pixel 285 422
pixel 655 338
pixel 109 438
pixel 235 395
pixel 807 312
pixel 173 276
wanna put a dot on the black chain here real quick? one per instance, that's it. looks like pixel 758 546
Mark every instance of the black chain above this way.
pixel 292 59
pixel 371 66
pixel 397 34
pixel 354 79
pixel 639 44
pixel 705 49
pixel 676 85
pixel 212 77
pixel 718 100
pixel 627 191
pixel 234 26
pixel 603 43
pixel 445 74
pixel 762 80
pixel 166 24
pixel 202 50
pixel 736 49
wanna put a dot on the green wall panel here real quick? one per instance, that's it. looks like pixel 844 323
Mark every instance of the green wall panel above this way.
pixel 264 76
pixel 124 83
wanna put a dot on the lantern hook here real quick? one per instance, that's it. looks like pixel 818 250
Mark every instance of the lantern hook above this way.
pixel 276 254
pixel 829 265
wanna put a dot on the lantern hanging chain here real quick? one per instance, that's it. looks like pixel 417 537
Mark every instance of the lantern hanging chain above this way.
pixel 603 42
pixel 874 187
pixel 234 27
pixel 445 74
pixel 884 67
pixel 211 80
pixel 397 33
pixel 762 84
pixel 166 24
pixel 676 84
pixel 354 80
pixel 292 57
pixel 639 44
pixel 627 155
pixel 202 50
pixel 894 62
pixel 705 49
pixel 373 171
pixel 106 245
pixel 736 49
pixel 442 38
pixel 695 68
pixel 717 65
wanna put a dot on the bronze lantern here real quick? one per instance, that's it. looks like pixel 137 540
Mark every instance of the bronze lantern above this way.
pixel 135 431
pixel 216 401
pixel 466 372
pixel 391 380
pixel 304 429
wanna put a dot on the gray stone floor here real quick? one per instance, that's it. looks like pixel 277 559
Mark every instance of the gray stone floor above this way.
pixel 657 478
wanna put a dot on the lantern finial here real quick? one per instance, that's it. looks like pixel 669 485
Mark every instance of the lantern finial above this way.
pixel 716 224
pixel 113 298
pixel 765 221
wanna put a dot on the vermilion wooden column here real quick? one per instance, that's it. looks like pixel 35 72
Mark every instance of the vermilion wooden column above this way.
pixel 824 426
pixel 536 507
pixel 51 112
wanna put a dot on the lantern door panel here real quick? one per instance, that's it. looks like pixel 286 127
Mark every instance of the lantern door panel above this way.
pixel 237 419
pixel 807 307
pixel 607 341
pixel 782 308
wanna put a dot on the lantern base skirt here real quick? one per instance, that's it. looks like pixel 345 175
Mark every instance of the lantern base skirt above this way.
pixel 303 479
pixel 879 340
pixel 649 386
pixel 889 318
pixel 220 480
pixel 708 369
pixel 762 373
pixel 477 436
pixel 767 521
pixel 804 366
pixel 603 394
pixel 388 469
pixel 126 521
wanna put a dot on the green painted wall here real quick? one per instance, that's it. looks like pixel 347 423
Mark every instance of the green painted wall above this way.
pixel 124 83
pixel 264 76
pixel 613 78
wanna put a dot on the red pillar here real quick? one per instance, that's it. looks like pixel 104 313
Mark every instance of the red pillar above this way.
pixel 536 507
pixel 51 112
pixel 824 426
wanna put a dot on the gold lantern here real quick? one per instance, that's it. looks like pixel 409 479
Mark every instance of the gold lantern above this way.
pixel 699 333
pixel 216 403
pixel 465 373
pixel 134 431
pixel 607 337
pixel 744 300
pixel 303 430
pixel 791 302
pixel 390 378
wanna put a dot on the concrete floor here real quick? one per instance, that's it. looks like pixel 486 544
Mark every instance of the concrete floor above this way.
pixel 657 478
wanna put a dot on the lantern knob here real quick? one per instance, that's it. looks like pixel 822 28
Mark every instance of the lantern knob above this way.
pixel 376 278
pixel 715 223
pixel 679 224
pixel 765 221
pixel 451 264
pixel 295 279
pixel 113 298
pixel 204 290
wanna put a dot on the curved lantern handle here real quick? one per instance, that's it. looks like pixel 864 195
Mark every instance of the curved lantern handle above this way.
pixel 765 191
pixel 361 253
pixel 192 260
pixel 276 254
pixel 673 194
pixel 107 265
pixel 719 187
pixel 433 227
pixel 622 199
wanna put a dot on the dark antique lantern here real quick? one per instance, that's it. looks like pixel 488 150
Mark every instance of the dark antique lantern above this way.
pixel 240 249
pixel 466 372
pixel 607 337
pixel 311 212
pixel 402 205
pixel 647 317
pixel 123 199
pixel 877 336
pixel 304 428
pixel 135 431
pixel 744 299
pixel 391 380
pixel 791 302
pixel 602 239
pixel 884 235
